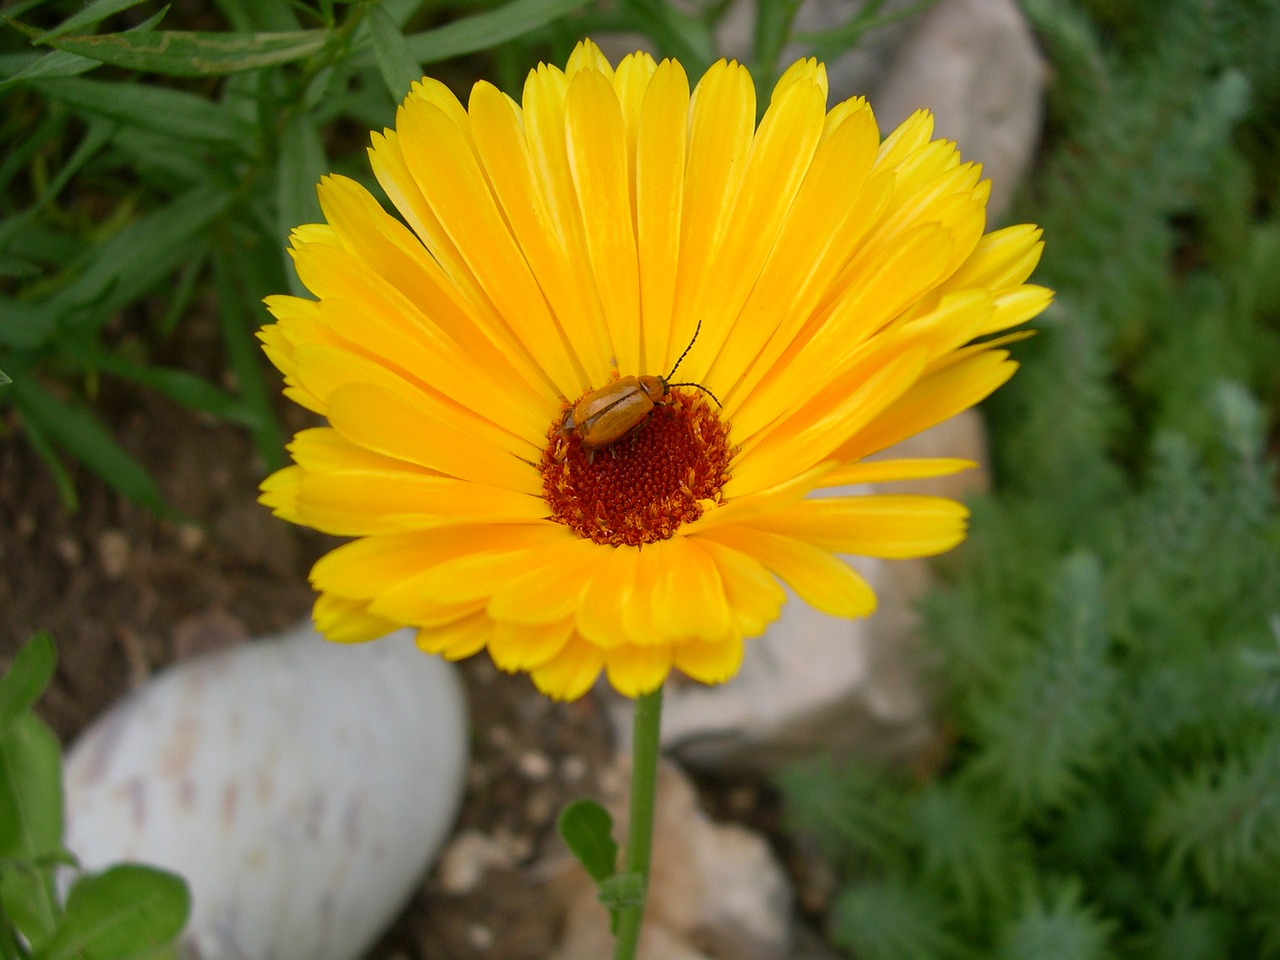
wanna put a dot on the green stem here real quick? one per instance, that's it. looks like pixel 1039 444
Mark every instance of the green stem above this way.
pixel 644 782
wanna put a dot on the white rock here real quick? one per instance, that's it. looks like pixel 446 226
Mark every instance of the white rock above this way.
pixel 716 892
pixel 817 682
pixel 301 787
pixel 976 65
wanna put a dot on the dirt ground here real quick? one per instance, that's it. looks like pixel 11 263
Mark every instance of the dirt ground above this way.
pixel 124 594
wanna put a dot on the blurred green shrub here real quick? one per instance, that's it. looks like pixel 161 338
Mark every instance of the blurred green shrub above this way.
pixel 1109 641
pixel 128 910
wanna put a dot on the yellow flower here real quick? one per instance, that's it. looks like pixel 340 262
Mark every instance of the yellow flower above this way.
pixel 836 285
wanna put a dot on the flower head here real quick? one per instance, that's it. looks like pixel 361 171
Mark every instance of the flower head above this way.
pixel 524 466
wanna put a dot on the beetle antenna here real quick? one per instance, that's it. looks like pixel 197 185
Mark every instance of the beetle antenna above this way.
pixel 696 331
pixel 700 387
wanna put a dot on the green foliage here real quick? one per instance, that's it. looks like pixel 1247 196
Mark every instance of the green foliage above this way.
pixel 126 911
pixel 1110 637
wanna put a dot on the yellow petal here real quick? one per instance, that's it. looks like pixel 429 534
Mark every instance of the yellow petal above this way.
pixel 713 662
pixel 636 670
pixel 755 599
pixel 571 673
pixel 888 471
pixel 355 503
pixel 551 591
pixel 660 166
pixel 450 177
pixel 598 164
pixel 457 639
pixel 688 598
pixel 280 493
pixel 721 122
pixel 775 167
pixel 608 591
pixel 554 255
pixel 1001 258
pixel 516 647
pixel 348 621
pixel 885 525
pixel 416 429
pixel 811 435
pixel 829 213
pixel 934 398
pixel 817 577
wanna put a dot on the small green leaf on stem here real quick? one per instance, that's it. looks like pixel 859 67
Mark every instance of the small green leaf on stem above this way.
pixel 30 674
pixel 587 830
pixel 118 913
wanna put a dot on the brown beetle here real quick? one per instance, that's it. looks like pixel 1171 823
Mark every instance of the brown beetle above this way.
pixel 606 415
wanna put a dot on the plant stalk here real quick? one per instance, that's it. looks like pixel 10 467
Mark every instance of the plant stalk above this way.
pixel 644 782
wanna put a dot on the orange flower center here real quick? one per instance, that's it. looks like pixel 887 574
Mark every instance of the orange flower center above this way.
pixel 641 487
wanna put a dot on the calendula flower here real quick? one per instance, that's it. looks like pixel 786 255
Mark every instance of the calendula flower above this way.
pixel 828 292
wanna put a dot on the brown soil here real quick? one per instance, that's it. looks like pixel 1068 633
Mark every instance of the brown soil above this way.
pixel 125 593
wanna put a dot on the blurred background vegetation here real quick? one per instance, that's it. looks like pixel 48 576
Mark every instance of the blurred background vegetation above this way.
pixel 1108 643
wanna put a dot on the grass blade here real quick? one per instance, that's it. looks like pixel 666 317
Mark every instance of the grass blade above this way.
pixel 183 53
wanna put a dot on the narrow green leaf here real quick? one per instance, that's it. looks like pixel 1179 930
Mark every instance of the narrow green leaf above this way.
pixel 237 289
pixel 248 16
pixel 186 388
pixel 395 62
pixel 485 30
pixel 91 13
pixel 61 478
pixel 5 379
pixel 20 7
pixel 59 63
pixel 142 254
pixel 171 112
pixel 586 828
pixel 97 136
pixel 400 10
pixel 24 324
pixel 119 913
pixel 80 434
pixel 183 53
pixel 302 164
pixel 772 32
pixel 55 63
pixel 26 679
